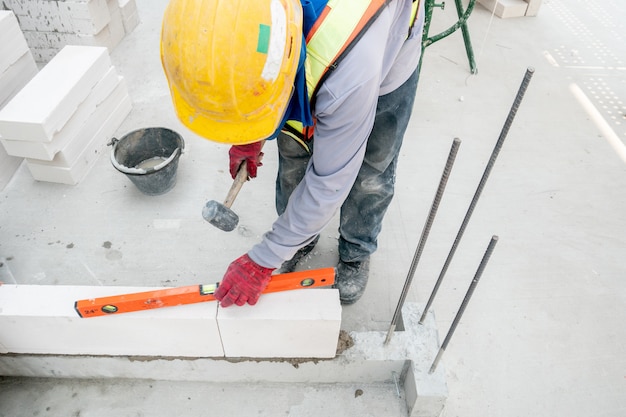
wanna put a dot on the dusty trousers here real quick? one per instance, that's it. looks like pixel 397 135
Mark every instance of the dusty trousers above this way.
pixel 363 210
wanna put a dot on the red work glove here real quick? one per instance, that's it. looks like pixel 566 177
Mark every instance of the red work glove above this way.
pixel 250 153
pixel 243 282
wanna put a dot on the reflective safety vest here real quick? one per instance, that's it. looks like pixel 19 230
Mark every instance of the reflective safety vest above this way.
pixel 338 28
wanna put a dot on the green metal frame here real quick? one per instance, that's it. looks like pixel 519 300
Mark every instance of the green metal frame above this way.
pixel 463 15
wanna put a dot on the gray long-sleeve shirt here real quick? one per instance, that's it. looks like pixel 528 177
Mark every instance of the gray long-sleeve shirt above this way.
pixel 381 61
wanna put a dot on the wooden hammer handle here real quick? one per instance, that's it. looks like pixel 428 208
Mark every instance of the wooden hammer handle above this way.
pixel 240 179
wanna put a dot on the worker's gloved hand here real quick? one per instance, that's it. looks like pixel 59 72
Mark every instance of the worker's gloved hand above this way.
pixel 243 282
pixel 250 153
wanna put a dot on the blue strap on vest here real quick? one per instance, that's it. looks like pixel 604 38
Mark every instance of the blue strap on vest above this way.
pixel 299 107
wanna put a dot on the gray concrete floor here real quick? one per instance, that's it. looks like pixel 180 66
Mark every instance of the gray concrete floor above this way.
pixel 544 334
pixel 133 398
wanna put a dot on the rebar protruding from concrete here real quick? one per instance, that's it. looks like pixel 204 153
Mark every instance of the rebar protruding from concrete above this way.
pixel 492 160
pixel 468 295
pixel 420 247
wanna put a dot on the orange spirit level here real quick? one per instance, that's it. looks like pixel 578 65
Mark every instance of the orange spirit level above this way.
pixel 191 294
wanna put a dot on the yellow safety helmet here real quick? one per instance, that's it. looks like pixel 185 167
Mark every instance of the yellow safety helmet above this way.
pixel 231 65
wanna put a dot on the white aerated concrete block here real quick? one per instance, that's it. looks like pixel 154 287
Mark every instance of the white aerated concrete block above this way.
pixel 290 324
pixel 16 76
pixel 130 15
pixel 48 44
pixel 16 6
pixel 17 68
pixel 77 16
pixel 43 55
pixel 49 25
pixel 116 25
pixel 533 7
pixel 41 319
pixel 70 133
pixel 48 101
pixel 101 124
pixel 8 166
pixel 71 168
pixel 506 8
pixel 35 15
pixel 73 174
pixel 88 17
pixel 13 45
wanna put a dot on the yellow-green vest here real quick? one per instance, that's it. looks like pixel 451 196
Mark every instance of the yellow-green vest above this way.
pixel 339 26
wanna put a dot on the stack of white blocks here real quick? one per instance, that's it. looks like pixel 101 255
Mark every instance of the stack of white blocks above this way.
pixel 49 25
pixel 62 119
pixel 17 67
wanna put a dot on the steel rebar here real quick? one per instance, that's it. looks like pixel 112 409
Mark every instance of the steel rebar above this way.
pixel 468 296
pixel 492 160
pixel 420 247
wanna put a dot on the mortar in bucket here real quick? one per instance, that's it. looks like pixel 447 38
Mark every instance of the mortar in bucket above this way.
pixel 149 158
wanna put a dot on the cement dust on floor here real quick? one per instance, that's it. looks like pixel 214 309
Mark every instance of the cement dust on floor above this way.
pixel 138 398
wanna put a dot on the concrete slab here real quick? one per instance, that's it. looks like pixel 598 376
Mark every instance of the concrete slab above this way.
pixel 551 301
pixel 134 397
pixel 362 358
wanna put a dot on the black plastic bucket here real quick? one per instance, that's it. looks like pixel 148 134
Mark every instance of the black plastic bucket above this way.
pixel 149 158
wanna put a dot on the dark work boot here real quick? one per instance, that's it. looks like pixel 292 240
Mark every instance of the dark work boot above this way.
pixel 351 280
pixel 290 265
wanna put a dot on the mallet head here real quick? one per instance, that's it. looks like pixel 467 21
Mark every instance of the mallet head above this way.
pixel 220 216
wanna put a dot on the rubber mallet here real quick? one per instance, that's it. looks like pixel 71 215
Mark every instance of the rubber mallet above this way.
pixel 219 214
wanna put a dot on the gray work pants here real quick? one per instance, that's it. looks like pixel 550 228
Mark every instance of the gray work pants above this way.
pixel 363 210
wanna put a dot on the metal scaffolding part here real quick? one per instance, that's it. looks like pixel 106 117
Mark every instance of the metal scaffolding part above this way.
pixel 463 15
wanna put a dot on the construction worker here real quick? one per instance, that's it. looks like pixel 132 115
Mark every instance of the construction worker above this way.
pixel 333 81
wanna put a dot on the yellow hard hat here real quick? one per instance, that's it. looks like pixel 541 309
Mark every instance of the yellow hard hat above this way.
pixel 231 65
